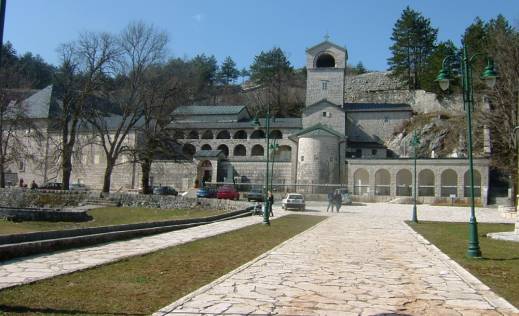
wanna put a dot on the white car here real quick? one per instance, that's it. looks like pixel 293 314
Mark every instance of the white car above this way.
pixel 294 201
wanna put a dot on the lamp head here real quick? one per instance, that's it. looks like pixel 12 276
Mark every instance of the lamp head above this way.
pixel 443 79
pixel 489 75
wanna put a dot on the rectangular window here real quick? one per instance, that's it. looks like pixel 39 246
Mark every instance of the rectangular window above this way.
pixel 96 159
pixel 324 114
pixel 302 158
pixel 21 166
pixel 324 85
pixel 374 152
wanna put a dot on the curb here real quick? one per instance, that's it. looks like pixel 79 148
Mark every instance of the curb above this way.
pixel 169 308
pixel 492 298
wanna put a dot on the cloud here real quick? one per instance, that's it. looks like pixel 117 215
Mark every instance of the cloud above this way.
pixel 199 17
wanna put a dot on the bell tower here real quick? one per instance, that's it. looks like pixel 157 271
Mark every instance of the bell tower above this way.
pixel 326 65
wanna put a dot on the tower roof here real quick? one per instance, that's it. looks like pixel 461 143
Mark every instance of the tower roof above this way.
pixel 324 45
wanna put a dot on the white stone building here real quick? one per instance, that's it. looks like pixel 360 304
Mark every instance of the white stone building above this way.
pixel 339 141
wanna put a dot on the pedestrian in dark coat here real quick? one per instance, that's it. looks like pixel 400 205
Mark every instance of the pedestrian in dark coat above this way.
pixel 330 201
pixel 338 200
pixel 271 202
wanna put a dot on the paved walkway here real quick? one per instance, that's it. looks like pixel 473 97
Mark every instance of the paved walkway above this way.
pixel 364 261
pixel 26 270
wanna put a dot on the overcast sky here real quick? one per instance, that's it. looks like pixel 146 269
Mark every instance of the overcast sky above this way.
pixel 243 28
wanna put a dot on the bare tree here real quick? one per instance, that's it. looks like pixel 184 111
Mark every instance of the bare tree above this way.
pixel 86 65
pixel 141 46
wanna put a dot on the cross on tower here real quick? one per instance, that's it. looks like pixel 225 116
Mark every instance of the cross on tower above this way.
pixel 326 36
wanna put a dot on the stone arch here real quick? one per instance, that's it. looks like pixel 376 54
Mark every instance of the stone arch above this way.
pixel 240 135
pixel 240 150
pixel 193 135
pixel 477 184
pixel 257 134
pixel 206 147
pixel 382 182
pixel 404 181
pixel 224 149
pixel 276 134
pixel 223 135
pixel 179 134
pixel 360 182
pixel 449 183
pixel 189 150
pixel 426 183
pixel 257 150
pixel 283 153
pixel 325 60
pixel 207 135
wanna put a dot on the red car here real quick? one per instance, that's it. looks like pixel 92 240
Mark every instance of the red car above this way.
pixel 227 192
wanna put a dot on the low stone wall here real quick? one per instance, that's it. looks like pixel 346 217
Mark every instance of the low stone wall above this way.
pixel 169 201
pixel 43 214
pixel 26 198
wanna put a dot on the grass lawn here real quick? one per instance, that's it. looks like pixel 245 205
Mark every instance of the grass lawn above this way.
pixel 144 284
pixel 499 267
pixel 108 216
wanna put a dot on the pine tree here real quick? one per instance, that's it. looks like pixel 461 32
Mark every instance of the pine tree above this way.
pixel 413 43
pixel 228 72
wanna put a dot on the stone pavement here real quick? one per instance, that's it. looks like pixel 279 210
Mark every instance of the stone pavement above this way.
pixel 29 269
pixel 364 261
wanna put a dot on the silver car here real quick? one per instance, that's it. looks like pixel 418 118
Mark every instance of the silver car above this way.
pixel 293 200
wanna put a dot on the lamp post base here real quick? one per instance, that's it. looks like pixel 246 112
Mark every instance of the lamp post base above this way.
pixel 415 217
pixel 473 250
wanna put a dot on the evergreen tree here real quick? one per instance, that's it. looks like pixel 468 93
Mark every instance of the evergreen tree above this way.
pixel 359 68
pixel 434 64
pixel 228 72
pixel 413 43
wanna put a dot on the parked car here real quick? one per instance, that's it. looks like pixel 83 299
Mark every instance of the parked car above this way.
pixel 77 187
pixel 346 196
pixel 293 201
pixel 228 192
pixel 52 186
pixel 255 195
pixel 205 193
pixel 164 190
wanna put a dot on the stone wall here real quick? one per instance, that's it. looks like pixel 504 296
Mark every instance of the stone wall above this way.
pixel 17 197
pixel 327 114
pixel 318 160
pixel 375 126
pixel 325 83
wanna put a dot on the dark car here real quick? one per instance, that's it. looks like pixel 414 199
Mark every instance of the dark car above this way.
pixel 52 186
pixel 164 190
pixel 255 195
pixel 228 192
pixel 205 193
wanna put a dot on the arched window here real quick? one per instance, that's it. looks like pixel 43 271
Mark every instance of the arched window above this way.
pixel 188 150
pixel 257 150
pixel 477 184
pixel 449 183
pixel 223 135
pixel 382 181
pixel 240 135
pixel 193 135
pixel 240 150
pixel 206 147
pixel 360 182
pixel 207 135
pixel 283 153
pixel 404 182
pixel 224 149
pixel 325 61
pixel 276 134
pixel 426 183
pixel 179 134
pixel 257 134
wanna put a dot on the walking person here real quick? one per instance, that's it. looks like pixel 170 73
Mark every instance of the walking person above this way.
pixel 271 202
pixel 330 201
pixel 338 200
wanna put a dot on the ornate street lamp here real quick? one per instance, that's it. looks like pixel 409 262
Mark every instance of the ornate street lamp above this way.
pixel 489 75
pixel 415 141
pixel 266 201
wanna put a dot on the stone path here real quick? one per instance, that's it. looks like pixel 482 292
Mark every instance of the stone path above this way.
pixel 364 261
pixel 26 270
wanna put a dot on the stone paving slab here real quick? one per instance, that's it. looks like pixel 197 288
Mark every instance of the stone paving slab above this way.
pixel 30 269
pixel 363 261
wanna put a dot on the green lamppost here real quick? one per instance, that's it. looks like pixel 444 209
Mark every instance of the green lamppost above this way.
pixel 489 76
pixel 273 147
pixel 257 124
pixel 415 141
